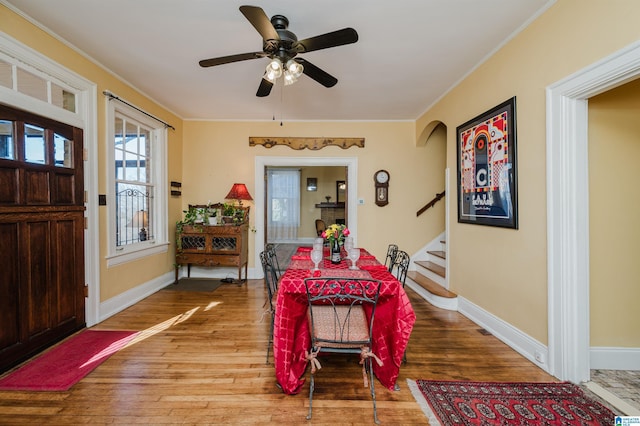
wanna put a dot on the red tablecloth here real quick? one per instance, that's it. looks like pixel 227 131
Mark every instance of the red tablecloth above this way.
pixel 300 261
pixel 391 330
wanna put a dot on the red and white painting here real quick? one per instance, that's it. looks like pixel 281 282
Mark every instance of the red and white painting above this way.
pixel 486 164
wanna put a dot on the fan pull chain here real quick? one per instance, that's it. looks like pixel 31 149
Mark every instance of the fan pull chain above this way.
pixel 281 102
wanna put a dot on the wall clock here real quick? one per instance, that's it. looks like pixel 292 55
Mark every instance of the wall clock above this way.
pixel 381 179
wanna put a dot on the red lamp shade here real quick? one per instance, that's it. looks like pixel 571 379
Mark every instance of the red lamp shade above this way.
pixel 239 192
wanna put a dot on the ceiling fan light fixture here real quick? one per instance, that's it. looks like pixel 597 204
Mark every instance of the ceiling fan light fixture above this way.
pixel 275 68
pixel 295 68
pixel 269 77
pixel 271 74
pixel 289 78
pixel 281 47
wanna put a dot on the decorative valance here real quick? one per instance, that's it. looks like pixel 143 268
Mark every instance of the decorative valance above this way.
pixel 308 143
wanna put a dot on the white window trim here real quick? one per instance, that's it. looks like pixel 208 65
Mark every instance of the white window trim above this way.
pixel 17 56
pixel 159 243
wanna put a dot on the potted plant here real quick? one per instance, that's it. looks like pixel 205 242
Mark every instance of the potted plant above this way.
pixel 239 216
pixel 212 214
pixel 192 217
pixel 228 212
pixel 201 214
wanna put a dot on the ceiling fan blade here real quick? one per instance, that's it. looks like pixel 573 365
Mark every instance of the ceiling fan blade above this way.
pixel 260 22
pixel 265 88
pixel 231 58
pixel 312 71
pixel 332 39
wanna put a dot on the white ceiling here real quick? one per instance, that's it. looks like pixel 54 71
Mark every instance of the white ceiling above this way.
pixel 409 52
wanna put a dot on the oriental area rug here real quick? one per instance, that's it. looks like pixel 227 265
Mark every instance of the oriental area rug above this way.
pixel 66 364
pixel 488 403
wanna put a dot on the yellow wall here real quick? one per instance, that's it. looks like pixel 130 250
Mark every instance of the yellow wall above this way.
pixel 216 154
pixel 614 232
pixel 118 279
pixel 504 271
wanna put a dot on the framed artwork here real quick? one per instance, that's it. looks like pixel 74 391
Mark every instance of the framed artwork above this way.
pixel 312 184
pixel 487 172
pixel 341 187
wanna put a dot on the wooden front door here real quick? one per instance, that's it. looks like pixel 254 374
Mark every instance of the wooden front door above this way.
pixel 41 234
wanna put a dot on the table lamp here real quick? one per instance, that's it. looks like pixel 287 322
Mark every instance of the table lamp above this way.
pixel 140 220
pixel 239 192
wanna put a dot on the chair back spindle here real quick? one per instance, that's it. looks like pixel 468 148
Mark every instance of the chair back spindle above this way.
pixel 400 266
pixel 271 284
pixel 270 250
pixel 392 251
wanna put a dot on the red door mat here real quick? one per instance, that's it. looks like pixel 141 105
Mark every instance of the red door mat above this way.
pixel 494 403
pixel 67 363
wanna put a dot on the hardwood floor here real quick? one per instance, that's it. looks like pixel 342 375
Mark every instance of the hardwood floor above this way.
pixel 200 359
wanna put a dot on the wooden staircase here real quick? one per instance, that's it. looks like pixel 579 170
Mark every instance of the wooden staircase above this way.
pixel 428 279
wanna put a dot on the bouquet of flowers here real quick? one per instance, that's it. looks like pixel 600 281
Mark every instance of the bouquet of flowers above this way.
pixel 335 232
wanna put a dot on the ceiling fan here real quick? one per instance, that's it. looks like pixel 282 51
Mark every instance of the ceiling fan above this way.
pixel 282 46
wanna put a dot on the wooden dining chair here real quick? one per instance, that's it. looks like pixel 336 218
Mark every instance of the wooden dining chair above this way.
pixel 400 266
pixel 340 323
pixel 392 250
pixel 320 227
pixel 271 284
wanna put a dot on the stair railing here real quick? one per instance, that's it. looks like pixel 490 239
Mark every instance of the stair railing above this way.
pixel 431 203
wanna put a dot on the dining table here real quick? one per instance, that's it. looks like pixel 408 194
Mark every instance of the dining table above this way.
pixel 392 326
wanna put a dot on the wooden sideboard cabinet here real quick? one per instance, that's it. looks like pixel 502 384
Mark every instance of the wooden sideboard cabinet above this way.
pixel 213 245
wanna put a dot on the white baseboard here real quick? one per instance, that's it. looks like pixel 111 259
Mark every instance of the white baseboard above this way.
pixel 122 301
pixel 218 272
pixel 606 358
pixel 522 343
